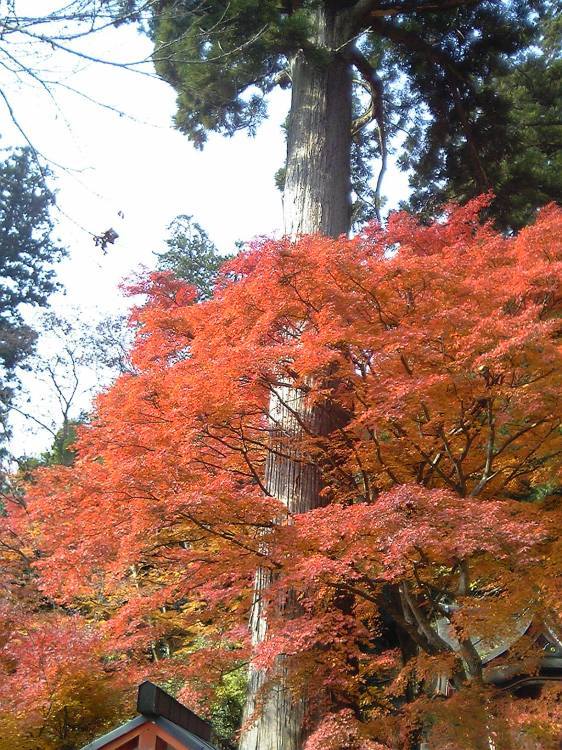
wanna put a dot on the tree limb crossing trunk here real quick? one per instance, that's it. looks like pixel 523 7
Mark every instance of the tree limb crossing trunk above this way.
pixel 317 198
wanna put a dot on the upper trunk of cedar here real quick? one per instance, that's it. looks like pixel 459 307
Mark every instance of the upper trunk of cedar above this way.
pixel 317 195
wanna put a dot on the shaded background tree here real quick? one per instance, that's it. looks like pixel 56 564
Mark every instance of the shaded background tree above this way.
pixel 191 255
pixel 27 254
pixel 74 360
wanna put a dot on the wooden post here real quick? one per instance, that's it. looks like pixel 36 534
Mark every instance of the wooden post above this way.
pixel 147 737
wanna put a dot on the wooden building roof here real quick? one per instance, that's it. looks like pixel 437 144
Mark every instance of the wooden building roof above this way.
pixel 163 724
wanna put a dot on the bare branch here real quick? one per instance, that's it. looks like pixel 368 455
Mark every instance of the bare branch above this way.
pixel 375 112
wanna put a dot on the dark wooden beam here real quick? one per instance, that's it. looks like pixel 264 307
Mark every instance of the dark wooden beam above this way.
pixel 152 702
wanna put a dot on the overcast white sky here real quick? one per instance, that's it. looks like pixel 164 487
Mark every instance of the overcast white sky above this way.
pixel 139 166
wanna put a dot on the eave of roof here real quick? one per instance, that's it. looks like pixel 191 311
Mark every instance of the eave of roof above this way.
pixel 116 733
pixel 187 740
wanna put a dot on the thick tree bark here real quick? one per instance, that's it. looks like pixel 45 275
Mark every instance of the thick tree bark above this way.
pixel 297 483
pixel 317 198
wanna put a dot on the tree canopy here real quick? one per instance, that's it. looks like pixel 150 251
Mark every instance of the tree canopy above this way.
pixel 519 136
pixel 465 91
pixel 441 342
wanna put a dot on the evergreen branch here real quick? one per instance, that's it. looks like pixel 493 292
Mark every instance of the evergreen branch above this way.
pixel 364 10
pixel 454 77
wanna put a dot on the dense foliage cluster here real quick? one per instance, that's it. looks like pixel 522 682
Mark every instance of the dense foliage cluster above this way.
pixel 517 132
pixel 439 530
pixel 58 685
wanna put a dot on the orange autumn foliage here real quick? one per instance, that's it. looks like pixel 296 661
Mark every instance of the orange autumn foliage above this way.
pixel 442 345
pixel 57 684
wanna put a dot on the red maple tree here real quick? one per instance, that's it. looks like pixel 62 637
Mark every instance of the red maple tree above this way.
pixel 436 555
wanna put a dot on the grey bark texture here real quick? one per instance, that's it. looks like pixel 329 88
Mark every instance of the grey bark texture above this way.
pixel 317 195
pixel 317 199
pixel 279 712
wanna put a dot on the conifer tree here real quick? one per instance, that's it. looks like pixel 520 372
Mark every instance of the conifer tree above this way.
pixel 434 69
pixel 191 255
pixel 27 254
pixel 520 137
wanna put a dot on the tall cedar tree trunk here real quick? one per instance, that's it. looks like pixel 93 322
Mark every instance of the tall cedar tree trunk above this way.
pixel 317 198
